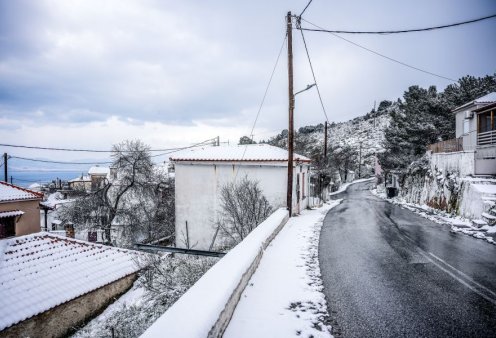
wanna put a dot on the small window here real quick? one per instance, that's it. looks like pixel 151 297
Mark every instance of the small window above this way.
pixel 7 227
pixel 466 126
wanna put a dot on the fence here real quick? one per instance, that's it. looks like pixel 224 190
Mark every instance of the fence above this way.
pixel 448 146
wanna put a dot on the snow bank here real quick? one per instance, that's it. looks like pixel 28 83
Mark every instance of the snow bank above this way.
pixel 206 308
pixel 345 186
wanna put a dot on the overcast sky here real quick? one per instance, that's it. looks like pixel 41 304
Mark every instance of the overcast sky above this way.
pixel 93 73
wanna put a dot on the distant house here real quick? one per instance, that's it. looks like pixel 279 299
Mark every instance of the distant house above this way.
pixel 81 183
pixel 98 175
pixel 201 173
pixel 19 211
pixel 50 284
pixel 475 142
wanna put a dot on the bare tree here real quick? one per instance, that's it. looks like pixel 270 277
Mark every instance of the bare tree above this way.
pixel 243 207
pixel 138 203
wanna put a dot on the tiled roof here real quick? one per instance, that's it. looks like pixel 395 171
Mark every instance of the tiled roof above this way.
pixel 245 153
pixel 11 213
pixel 9 192
pixel 40 271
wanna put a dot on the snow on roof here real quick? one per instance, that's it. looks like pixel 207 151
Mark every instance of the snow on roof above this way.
pixel 245 153
pixel 40 271
pixel 488 98
pixel 11 213
pixel 9 192
pixel 99 170
pixel 81 178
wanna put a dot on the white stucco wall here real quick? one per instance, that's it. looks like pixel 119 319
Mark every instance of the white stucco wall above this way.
pixel 198 186
pixel 462 162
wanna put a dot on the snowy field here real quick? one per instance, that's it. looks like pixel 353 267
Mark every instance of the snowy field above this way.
pixel 284 297
pixel 457 223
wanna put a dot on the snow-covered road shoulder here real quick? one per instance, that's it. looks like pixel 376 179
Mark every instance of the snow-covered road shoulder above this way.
pixel 458 224
pixel 284 297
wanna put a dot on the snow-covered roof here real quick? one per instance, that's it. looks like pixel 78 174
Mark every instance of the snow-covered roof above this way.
pixel 9 192
pixel 40 271
pixel 97 170
pixel 239 153
pixel 11 213
pixel 81 178
pixel 486 99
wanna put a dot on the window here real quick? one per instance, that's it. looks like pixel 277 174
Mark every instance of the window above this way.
pixel 485 122
pixel 7 227
pixel 303 185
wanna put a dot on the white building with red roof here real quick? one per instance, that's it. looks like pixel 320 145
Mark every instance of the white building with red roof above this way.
pixel 200 174
pixel 19 210
pixel 51 284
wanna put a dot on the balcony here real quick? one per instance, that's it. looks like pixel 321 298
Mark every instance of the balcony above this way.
pixel 486 138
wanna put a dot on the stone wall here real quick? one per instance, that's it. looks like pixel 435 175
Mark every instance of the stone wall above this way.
pixel 61 320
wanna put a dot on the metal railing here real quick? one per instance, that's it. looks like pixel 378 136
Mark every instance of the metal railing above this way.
pixel 447 146
pixel 488 137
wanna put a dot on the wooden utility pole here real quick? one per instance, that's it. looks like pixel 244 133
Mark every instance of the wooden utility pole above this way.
pixel 5 172
pixel 289 30
pixel 325 143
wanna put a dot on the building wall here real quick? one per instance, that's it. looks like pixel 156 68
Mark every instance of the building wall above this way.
pixel 29 222
pixel 63 319
pixel 470 137
pixel 198 187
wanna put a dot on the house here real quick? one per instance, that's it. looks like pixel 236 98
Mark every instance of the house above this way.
pixel 51 284
pixel 81 183
pixel 476 133
pixel 98 175
pixel 19 211
pixel 201 173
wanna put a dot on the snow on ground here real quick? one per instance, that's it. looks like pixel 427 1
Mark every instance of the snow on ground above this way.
pixel 284 297
pixel 457 223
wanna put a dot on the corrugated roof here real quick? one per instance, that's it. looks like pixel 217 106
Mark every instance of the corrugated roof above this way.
pixel 40 271
pixel 244 153
pixel 10 192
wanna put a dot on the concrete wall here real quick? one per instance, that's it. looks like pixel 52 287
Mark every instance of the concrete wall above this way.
pixel 29 222
pixel 198 187
pixel 211 301
pixel 63 319
pixel 462 162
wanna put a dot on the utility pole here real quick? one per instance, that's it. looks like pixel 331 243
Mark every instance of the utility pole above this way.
pixel 325 143
pixel 289 31
pixel 360 162
pixel 5 173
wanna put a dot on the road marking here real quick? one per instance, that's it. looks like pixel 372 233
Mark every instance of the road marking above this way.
pixel 491 298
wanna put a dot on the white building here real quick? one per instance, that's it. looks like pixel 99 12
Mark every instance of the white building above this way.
pixel 201 174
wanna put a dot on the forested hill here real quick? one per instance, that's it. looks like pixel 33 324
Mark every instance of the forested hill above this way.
pixel 344 137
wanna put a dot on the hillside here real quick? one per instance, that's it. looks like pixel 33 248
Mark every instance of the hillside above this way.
pixel 344 136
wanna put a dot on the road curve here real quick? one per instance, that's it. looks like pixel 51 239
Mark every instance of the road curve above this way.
pixel 388 272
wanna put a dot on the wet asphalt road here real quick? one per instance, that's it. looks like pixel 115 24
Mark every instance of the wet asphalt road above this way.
pixel 390 273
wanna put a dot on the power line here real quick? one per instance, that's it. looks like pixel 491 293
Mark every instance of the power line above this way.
pixel 384 56
pixel 320 29
pixel 263 98
pixel 183 148
pixel 313 73
pixel 304 9
pixel 77 150
pixel 58 162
